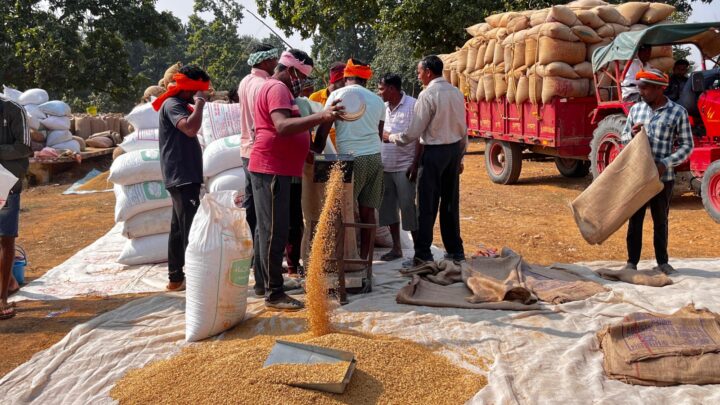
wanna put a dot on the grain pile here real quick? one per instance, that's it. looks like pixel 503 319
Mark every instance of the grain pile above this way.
pixel 305 373
pixel 540 54
pixel 323 248
pixel 97 183
pixel 230 371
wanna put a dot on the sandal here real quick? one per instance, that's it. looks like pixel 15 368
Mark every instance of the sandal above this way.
pixel 7 312
pixel 390 256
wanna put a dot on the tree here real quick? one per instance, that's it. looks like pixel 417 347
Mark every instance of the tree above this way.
pixel 395 55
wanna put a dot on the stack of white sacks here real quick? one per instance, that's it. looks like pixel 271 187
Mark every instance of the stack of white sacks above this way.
pixel 142 204
pixel 50 118
pixel 222 163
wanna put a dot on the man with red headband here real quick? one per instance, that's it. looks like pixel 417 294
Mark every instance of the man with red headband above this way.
pixel 282 142
pixel 181 159
pixel 666 124
pixel 362 139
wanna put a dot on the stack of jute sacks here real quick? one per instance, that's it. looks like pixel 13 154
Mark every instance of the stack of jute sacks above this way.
pixel 142 203
pixel 540 54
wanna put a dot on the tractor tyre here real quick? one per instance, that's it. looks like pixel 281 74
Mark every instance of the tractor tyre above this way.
pixel 710 190
pixel 572 168
pixel 606 144
pixel 503 161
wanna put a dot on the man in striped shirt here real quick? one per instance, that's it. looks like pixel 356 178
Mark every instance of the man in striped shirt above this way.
pixel 666 123
pixel 14 153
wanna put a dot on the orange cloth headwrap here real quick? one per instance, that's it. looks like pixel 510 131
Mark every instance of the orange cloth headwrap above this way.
pixel 353 70
pixel 653 76
pixel 182 83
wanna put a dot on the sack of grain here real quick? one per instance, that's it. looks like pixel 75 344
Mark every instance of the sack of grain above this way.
pixel 136 167
pixel 477 29
pixel 447 75
pixel 554 86
pixel 522 93
pixel 559 69
pixel 518 54
pixel 34 116
pixel 657 12
pixel 584 70
pixel 221 155
pixel 590 19
pixel 153 222
pixel 490 51
pixel 555 50
pixel 508 56
pixel 593 47
pixel 511 89
pixel 627 184
pixel 499 56
pixel 563 15
pixel 462 84
pixel 612 30
pixel 144 116
pixel 220 121
pixel 488 82
pixel 12 94
pixel 217 269
pixel 56 108
pixel 461 63
pixel 81 142
pixel 142 139
pixel 480 93
pixel 501 85
pixel 585 4
pixel 538 17
pixel 83 128
pixel 558 31
pixel 152 91
pixel 664 64
pixel 58 136
pixel 502 33
pixel 71 145
pixel 531 51
pixel 473 84
pixel 586 34
pixel 661 52
pixel 632 11
pixel 518 24
pixel 134 199
pixel 229 180
pixel 102 142
pixel 145 250
pixel 454 78
pixel 610 14
pixel 535 83
pixel 480 57
pixel 471 58
pixel 53 123
pixel 709 41
pixel 33 96
pixel 507 17
pixel 494 20
pixel 168 76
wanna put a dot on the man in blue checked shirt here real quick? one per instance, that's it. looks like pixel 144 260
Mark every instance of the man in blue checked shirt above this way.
pixel 666 123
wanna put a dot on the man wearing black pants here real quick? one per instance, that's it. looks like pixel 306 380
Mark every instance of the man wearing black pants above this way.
pixel 659 209
pixel 439 123
pixel 181 160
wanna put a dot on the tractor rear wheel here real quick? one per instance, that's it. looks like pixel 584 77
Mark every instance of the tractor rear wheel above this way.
pixel 503 161
pixel 572 167
pixel 710 190
pixel 606 144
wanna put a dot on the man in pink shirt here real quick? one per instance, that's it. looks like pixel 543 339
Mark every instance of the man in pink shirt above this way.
pixel 282 141
pixel 263 60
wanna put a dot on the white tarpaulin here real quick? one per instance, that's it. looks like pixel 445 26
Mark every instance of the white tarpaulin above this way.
pixel 547 356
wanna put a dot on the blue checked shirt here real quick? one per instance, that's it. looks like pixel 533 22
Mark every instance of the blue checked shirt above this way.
pixel 665 126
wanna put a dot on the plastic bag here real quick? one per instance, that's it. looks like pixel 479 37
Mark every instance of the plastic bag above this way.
pixel 217 266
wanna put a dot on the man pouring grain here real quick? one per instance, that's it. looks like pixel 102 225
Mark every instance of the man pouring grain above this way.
pixel 181 109
pixel 666 123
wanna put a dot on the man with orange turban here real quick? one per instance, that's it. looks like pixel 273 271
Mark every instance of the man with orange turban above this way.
pixel 181 159
pixel 666 124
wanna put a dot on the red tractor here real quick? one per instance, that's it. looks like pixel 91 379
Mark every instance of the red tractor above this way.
pixel 562 129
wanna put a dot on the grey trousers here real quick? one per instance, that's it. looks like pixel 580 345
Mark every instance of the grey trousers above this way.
pixel 271 195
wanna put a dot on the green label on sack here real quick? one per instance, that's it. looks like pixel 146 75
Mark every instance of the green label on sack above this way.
pixel 154 190
pixel 232 141
pixel 240 272
pixel 149 155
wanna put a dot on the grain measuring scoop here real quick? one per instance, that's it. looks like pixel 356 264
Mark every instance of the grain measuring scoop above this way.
pixel 300 354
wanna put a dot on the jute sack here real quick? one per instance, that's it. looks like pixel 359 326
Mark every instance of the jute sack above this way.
pixel 471 58
pixel 531 48
pixel 480 92
pixel 480 57
pixel 593 47
pixel 627 184
pixel 611 30
pixel 507 17
pixel 490 51
pixel 508 58
pixel 538 17
pixel 473 84
pixel 586 4
pixel 168 76
pixel 632 11
pixel 684 348
pixel 563 15
pixel 584 70
pixel 610 14
pixel 447 75
pixel 463 84
pixel 661 52
pixel 559 69
pixel 518 24
pixel 535 83
pixel 153 222
pixel 511 89
pixel 590 19
pixel 461 63
pixel 709 41
pixel 555 50
pixel 494 20
pixel 557 31
pixel 454 78
pixel 501 85
pixel 153 91
pixel 554 86
pixel 664 64
pixel 522 94
pixel 499 56
pixel 489 86
pixel 477 29
pixel 657 12
pixel 518 54
pixel 586 34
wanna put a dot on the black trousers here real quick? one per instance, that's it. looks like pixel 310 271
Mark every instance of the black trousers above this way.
pixel 659 209
pixel 249 205
pixel 186 200
pixel 297 227
pixel 271 194
pixel 438 187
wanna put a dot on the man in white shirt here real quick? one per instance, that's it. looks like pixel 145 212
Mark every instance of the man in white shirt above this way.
pixel 630 91
pixel 400 165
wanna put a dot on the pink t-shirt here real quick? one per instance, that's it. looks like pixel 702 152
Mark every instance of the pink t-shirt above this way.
pixel 273 153
pixel 247 92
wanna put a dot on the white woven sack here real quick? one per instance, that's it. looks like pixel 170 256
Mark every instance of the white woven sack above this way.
pixel 137 198
pixel 136 167
pixel 148 223
pixel 143 116
pixel 71 145
pixel 146 250
pixel 223 154
pixel 56 123
pixel 229 180
pixel 58 137
pixel 220 121
pixel 56 108
pixel 34 96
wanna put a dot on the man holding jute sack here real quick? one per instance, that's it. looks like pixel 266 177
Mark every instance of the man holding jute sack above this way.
pixel 665 123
